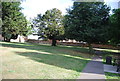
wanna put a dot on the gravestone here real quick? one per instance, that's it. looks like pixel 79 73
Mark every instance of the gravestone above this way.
pixel 108 60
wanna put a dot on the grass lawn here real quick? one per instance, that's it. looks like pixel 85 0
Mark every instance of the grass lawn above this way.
pixel 29 61
pixel 108 52
pixel 112 75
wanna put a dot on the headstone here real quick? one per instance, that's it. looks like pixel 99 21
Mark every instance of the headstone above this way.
pixel 108 60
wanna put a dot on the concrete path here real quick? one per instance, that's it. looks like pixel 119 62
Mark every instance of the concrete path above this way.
pixel 110 68
pixel 93 70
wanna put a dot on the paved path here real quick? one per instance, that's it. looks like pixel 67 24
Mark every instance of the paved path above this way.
pixel 93 70
pixel 110 68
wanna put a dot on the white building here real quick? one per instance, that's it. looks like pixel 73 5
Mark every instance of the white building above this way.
pixel 34 35
pixel 19 39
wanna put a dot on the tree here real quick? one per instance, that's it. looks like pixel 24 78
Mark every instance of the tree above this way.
pixel 14 22
pixel 0 18
pixel 87 22
pixel 50 25
pixel 115 27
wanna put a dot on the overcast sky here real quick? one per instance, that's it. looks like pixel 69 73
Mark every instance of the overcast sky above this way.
pixel 34 7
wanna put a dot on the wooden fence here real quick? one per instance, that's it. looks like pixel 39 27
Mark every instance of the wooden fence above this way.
pixel 73 44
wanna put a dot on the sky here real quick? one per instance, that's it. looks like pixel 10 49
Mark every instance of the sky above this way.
pixel 33 7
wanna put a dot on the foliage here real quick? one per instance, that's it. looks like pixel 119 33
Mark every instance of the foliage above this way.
pixel 14 22
pixel 50 25
pixel 115 27
pixel 0 18
pixel 87 22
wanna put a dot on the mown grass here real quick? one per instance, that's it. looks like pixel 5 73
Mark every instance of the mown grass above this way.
pixel 108 52
pixel 112 75
pixel 29 61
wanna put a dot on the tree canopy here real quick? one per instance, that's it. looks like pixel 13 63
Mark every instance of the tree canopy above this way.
pixel 50 24
pixel 14 22
pixel 87 22
pixel 115 27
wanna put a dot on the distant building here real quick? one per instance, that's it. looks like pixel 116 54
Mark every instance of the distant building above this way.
pixel 21 39
pixel 34 35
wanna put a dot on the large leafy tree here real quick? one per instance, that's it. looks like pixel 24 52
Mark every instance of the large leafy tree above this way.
pixel 115 27
pixel 0 17
pixel 87 21
pixel 14 22
pixel 50 25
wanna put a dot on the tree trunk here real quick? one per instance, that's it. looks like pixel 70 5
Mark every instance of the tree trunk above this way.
pixel 91 51
pixel 7 40
pixel 53 42
pixel 4 38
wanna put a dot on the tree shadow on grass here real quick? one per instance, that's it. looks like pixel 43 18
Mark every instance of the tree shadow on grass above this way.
pixel 51 49
pixel 54 57
pixel 61 61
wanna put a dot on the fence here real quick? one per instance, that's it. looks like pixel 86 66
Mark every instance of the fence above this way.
pixel 73 44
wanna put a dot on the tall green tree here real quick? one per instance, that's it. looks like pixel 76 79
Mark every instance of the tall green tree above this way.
pixel 87 21
pixel 14 22
pixel 50 24
pixel 0 17
pixel 115 27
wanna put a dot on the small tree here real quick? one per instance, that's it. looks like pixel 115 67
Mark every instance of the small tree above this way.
pixel 50 25
pixel 87 22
